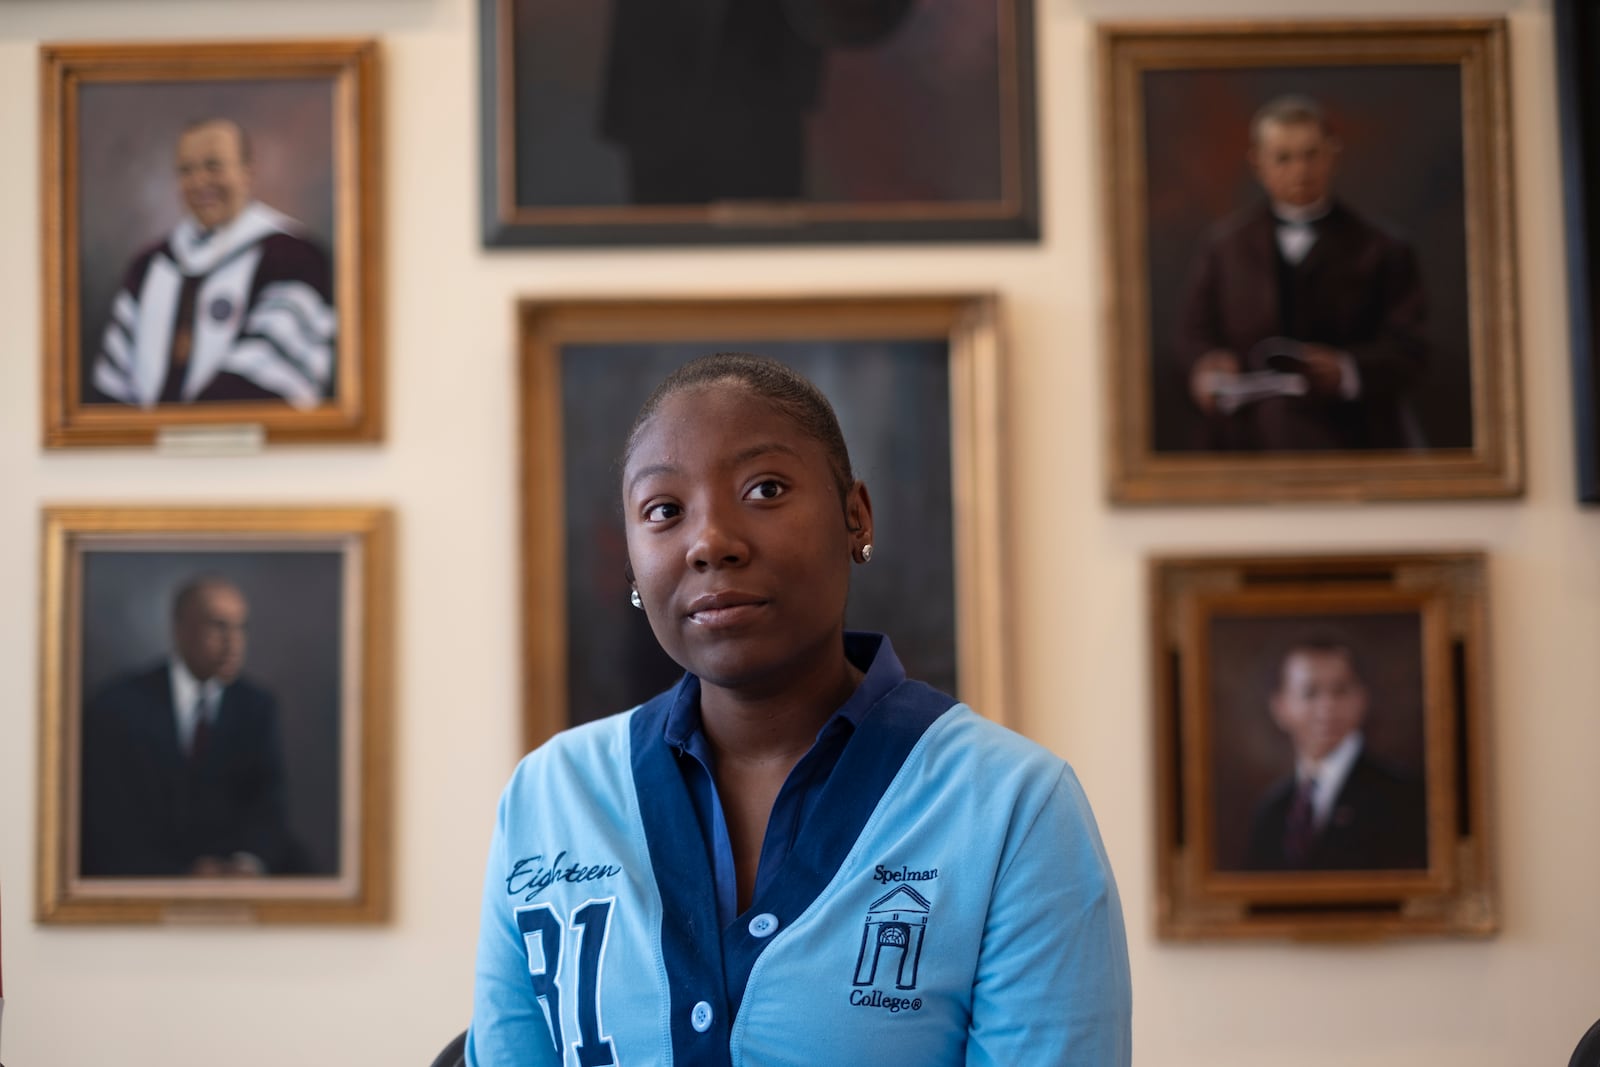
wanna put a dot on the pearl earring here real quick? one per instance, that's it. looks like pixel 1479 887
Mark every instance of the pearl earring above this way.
pixel 866 553
pixel 635 599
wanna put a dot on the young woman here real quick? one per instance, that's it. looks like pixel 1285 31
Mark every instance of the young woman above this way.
pixel 796 855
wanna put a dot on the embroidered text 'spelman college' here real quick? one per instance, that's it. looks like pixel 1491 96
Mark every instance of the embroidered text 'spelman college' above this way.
pixel 243 312
pixel 946 901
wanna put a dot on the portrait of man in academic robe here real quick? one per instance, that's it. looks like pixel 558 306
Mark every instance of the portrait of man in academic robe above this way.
pixel 207 246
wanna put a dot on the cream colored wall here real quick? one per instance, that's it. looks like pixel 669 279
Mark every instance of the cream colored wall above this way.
pixel 392 995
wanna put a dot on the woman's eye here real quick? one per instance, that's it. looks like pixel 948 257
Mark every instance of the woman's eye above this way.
pixel 661 512
pixel 767 490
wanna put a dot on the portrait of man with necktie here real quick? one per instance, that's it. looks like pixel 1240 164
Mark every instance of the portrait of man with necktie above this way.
pixel 213 721
pixel 210 725
pixel 183 765
pixel 1320 740
pixel 1317 758
pixel 1342 807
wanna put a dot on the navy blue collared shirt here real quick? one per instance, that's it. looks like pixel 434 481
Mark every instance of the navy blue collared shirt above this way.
pixel 883 672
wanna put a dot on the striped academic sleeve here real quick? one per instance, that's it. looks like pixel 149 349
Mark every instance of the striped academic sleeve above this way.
pixel 111 375
pixel 291 330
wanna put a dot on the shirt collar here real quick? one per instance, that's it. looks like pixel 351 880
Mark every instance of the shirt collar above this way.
pixel 199 251
pixel 185 686
pixel 188 688
pixel 188 693
pixel 1335 766
pixel 871 652
pixel 1305 214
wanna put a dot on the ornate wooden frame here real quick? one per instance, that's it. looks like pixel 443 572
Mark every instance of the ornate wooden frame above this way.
pixel 1441 597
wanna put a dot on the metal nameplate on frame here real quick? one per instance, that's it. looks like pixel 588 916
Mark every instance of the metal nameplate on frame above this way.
pixel 245 439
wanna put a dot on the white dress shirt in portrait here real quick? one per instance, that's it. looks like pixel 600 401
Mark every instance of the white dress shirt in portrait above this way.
pixel 1329 776
pixel 189 697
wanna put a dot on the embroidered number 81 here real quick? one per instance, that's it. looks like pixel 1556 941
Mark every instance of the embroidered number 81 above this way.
pixel 543 933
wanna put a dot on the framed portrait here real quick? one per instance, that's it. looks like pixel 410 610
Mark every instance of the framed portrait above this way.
pixel 215 715
pixel 915 382
pixel 1312 264
pixel 1321 754
pixel 212 242
pixel 706 122
pixel 1577 35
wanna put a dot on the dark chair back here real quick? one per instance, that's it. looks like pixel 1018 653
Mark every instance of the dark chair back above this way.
pixel 454 1054
pixel 1587 1054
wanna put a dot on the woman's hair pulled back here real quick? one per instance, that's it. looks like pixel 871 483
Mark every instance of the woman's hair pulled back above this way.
pixel 785 389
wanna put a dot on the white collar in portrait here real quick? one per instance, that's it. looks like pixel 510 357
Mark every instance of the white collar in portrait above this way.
pixel 1330 775
pixel 199 251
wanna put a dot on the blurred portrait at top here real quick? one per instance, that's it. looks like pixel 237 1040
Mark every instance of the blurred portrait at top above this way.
pixel 667 121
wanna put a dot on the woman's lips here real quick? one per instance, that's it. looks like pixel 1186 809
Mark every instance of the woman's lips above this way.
pixel 722 617
pixel 725 609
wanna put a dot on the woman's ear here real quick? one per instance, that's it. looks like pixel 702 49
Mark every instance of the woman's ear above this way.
pixel 858 516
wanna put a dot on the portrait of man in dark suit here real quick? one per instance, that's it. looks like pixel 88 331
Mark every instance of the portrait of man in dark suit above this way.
pixel 1302 325
pixel 183 762
pixel 1340 807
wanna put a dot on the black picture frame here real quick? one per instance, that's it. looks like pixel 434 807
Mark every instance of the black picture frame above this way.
pixel 1577 33
pixel 946 74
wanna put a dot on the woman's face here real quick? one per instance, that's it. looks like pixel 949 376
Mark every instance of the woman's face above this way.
pixel 739 546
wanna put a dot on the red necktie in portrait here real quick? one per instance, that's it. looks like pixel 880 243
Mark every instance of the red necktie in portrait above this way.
pixel 1299 829
pixel 202 732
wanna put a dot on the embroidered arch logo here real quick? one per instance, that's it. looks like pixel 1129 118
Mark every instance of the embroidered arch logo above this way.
pixel 891 949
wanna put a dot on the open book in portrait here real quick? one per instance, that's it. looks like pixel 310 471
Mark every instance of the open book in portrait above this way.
pixel 1276 367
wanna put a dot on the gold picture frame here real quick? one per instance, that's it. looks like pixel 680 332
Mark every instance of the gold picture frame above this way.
pixel 285 305
pixel 1424 314
pixel 919 372
pixel 301 736
pixel 1240 647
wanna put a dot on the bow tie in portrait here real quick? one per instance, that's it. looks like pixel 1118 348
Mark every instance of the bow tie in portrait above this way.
pixel 1295 238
